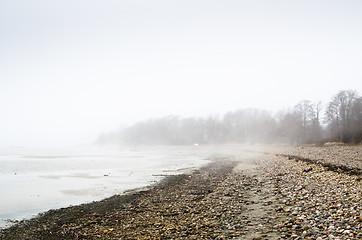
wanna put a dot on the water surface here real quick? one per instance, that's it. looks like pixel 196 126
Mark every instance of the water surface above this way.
pixel 34 180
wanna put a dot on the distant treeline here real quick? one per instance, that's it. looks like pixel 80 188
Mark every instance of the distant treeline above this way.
pixel 307 122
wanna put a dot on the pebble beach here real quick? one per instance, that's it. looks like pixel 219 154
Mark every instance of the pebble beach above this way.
pixel 320 190
pixel 306 192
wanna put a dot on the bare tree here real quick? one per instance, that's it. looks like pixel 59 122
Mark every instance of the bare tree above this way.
pixel 300 124
pixel 356 125
pixel 341 111
pixel 304 111
pixel 316 130
pixel 289 126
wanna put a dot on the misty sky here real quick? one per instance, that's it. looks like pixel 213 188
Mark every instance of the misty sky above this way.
pixel 72 69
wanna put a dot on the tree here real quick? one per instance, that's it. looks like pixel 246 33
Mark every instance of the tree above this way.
pixel 297 125
pixel 342 114
pixel 289 126
pixel 316 130
pixel 356 125
pixel 304 111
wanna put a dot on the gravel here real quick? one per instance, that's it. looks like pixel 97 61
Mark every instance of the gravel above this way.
pixel 288 194
pixel 319 202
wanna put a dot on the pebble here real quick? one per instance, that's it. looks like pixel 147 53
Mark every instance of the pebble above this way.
pixel 327 203
pixel 287 199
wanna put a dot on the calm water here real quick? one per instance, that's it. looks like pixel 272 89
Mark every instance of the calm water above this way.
pixel 33 181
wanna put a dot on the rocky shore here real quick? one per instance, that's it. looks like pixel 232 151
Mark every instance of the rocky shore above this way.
pixel 276 195
pixel 321 190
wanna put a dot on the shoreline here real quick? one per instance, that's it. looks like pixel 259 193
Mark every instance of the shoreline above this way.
pixel 39 181
pixel 268 196
pixel 34 228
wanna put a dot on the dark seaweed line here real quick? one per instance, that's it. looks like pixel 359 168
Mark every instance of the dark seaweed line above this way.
pixel 329 166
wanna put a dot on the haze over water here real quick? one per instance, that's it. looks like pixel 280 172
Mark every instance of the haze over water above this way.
pixel 70 70
pixel 33 181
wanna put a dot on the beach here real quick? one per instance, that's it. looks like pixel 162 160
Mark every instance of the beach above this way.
pixel 260 193
pixel 37 180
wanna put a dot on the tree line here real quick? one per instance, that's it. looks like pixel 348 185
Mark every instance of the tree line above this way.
pixel 307 122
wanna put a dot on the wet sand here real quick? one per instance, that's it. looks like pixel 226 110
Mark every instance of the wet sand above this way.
pixel 270 196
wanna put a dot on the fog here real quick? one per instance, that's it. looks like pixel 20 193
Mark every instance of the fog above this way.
pixel 71 70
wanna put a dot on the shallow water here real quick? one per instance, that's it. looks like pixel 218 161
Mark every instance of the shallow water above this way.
pixel 34 180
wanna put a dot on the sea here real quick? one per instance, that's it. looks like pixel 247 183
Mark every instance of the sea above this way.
pixel 35 180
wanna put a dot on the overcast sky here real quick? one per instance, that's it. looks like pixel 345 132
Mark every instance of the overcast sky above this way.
pixel 72 69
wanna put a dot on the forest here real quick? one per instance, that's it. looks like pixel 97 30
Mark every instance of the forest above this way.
pixel 339 120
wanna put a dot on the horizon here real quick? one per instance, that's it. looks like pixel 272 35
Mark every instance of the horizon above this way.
pixel 50 147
